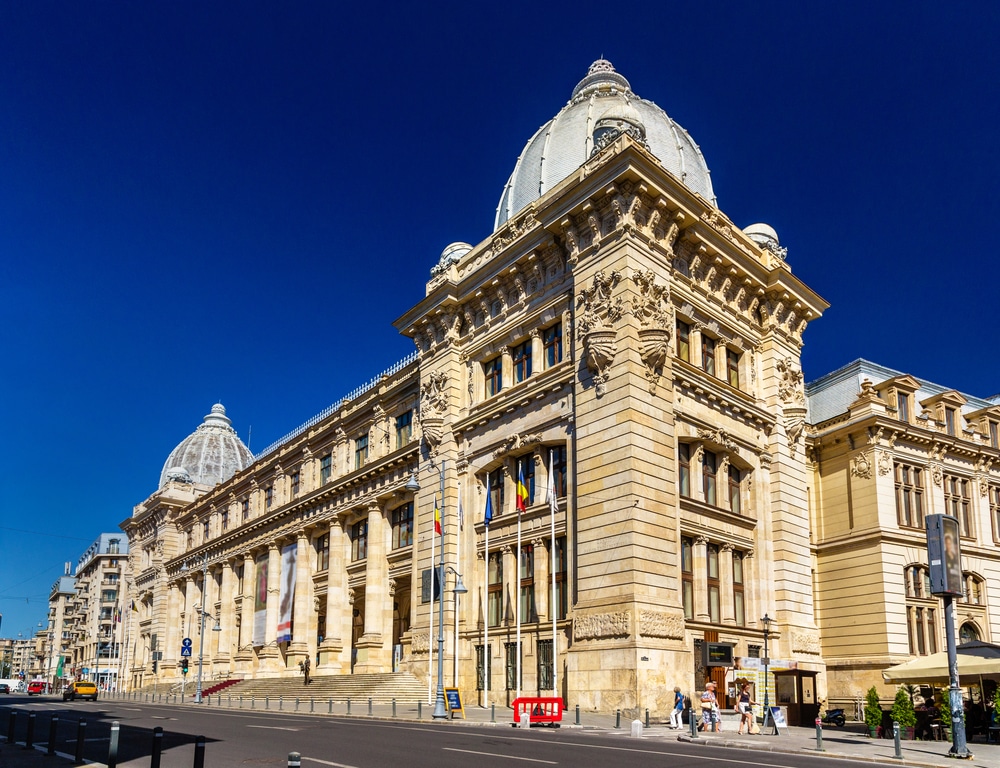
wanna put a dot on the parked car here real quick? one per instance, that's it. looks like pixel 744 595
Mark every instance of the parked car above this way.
pixel 4 688
pixel 80 689
pixel 36 687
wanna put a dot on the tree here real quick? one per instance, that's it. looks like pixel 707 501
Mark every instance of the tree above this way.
pixel 902 710
pixel 873 709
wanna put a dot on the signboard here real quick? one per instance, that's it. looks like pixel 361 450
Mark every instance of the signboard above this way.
pixel 453 702
pixel 425 585
pixel 718 654
pixel 185 651
pixel 944 555
pixel 778 718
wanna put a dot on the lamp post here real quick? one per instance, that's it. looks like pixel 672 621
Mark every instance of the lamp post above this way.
pixel 203 613
pixel 458 589
pixel 766 621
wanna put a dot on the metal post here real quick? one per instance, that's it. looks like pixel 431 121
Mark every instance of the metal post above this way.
pixel 267 702
pixel 440 713
pixel 819 735
pixel 348 706
pixel 329 706
pixel 369 706
pixel 767 662
pixel 420 710
pixel 577 714
pixel 294 760
pixel 154 756
pixel 958 745
pixel 10 726
pixel 394 707
pixel 647 717
pixel 53 726
pixel 895 741
pixel 296 703
pixel 312 704
pixel 493 712
pixel 618 718
pixel 692 724
pixel 29 741
pixel 199 752
pixel 81 732
pixel 281 703
pixel 113 745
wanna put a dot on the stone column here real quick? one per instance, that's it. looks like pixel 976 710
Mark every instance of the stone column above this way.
pixel 727 609
pixel 270 656
pixel 372 652
pixel 174 629
pixel 537 363
pixel 701 578
pixel 331 651
pixel 244 651
pixel 542 578
pixel 299 648
pixel 227 618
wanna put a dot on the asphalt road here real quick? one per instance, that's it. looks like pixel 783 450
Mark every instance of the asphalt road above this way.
pixel 236 739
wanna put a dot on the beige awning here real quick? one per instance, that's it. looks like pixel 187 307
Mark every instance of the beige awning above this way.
pixel 975 660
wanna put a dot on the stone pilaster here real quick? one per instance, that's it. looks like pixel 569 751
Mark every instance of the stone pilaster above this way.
pixel 373 652
pixel 331 651
pixel 270 655
pixel 298 649
pixel 244 652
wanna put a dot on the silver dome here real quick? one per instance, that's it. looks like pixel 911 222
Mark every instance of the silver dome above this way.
pixel 210 455
pixel 566 141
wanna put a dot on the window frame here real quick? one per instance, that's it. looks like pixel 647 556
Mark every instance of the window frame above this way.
pixel 360 451
pixel 733 367
pixel 909 491
pixel 710 477
pixel 359 541
pixel 322 545
pixel 687 577
pixel 958 503
pixel 683 331
pixel 520 355
pixel 402 525
pixel 494 582
pixel 552 346
pixel 493 376
pixel 526 584
pixel 325 468
pixel 404 428
pixel 709 348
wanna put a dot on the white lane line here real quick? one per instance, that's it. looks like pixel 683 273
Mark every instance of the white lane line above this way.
pixel 495 754
pixel 130 709
pixel 326 762
pixel 273 728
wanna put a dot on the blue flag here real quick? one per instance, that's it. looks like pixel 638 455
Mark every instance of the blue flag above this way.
pixel 489 507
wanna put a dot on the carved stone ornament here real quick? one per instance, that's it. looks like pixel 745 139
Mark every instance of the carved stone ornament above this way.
pixel 601 625
pixel 719 437
pixel 795 424
pixel 433 398
pixel 597 307
pixel 884 463
pixel 600 349
pixel 517 443
pixel 419 643
pixel 658 624
pixel 651 308
pixel 790 385
pixel 433 431
pixel 936 475
pixel 654 346
pixel 861 467
pixel 806 642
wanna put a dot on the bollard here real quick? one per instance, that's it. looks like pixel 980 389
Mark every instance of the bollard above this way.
pixel 819 735
pixel 218 699
pixel 29 741
pixel 296 703
pixel 241 702
pixel 394 706
pixel 577 714
pixel 53 725
pixel 525 720
pixel 10 726
pixel 329 706
pixel 369 707
pixel 693 725
pixel 647 717
pixel 229 701
pixel 493 713
pixel 618 718
pixel 636 730
pixel 312 704
pixel 281 703
pixel 154 755
pixel 420 710
pixel 81 732
pixel 113 745
pixel 895 741
pixel 348 706
pixel 253 702
pixel 294 760
pixel 199 752
pixel 267 702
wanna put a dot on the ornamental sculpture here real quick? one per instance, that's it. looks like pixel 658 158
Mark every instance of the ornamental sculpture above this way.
pixel 598 311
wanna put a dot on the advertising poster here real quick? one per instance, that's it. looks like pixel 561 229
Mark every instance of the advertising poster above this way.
pixel 286 597
pixel 260 601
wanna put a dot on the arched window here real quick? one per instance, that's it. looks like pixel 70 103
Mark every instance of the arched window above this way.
pixel 968 633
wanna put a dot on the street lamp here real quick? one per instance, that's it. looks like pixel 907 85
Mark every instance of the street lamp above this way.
pixel 201 610
pixel 458 589
pixel 766 621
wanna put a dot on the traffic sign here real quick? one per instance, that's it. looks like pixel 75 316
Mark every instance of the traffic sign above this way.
pixel 186 651
pixel 186 642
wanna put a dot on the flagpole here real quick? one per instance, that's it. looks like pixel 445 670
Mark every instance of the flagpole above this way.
pixel 553 607
pixel 458 562
pixel 517 605
pixel 430 634
pixel 486 624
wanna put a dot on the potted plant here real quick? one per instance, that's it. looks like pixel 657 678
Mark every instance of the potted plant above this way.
pixel 902 713
pixel 873 711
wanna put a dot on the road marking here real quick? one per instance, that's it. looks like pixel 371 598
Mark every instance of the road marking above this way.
pixel 131 709
pixel 326 762
pixel 274 727
pixel 494 754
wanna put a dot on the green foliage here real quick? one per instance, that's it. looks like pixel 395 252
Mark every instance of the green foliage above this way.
pixel 911 691
pixel 996 705
pixel 873 709
pixel 902 710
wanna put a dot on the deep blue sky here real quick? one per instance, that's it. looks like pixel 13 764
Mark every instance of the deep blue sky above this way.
pixel 232 202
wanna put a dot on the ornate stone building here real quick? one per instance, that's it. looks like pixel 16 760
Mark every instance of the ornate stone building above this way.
pixel 616 339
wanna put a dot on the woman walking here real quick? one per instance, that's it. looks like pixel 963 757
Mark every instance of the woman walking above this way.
pixel 745 704
pixel 675 713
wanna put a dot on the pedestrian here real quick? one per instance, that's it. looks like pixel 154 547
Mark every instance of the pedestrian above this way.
pixel 305 669
pixel 675 713
pixel 709 709
pixel 745 705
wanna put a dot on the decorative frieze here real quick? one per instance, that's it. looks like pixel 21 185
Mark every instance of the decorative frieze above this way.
pixel 658 624
pixel 517 443
pixel 600 626
pixel 806 642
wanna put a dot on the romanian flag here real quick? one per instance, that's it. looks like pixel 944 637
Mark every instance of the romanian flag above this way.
pixel 489 508
pixel 522 490
pixel 437 517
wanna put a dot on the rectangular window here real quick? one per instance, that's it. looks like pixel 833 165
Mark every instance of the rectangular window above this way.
pixel 527 584
pixel 109 595
pixel 402 526
pixel 949 420
pixel 526 469
pixel 494 484
pixel 404 429
pixel 735 490
pixel 225 520
pixel 739 598
pixel 521 357
pixel 708 477
pixel 544 665
pixel 325 468
pixel 360 451
pixel 552 345
pixel 714 592
pixel 957 502
pixel 708 354
pixel 733 368
pixel 510 653
pixel 684 469
pixel 496 589
pixel 481 681
pixel 687 576
pixel 204 531
pixel 994 434
pixel 113 547
pixel 903 407
pixel 295 484
pixel 323 552
pixel 245 509
pixel 359 540
pixel 683 341
pixel 493 374
pixel 558 464
pixel 268 496
pixel 994 497
pixel 562 600
pixel 909 496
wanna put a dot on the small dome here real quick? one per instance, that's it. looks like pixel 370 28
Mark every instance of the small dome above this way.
pixel 765 236
pixel 601 107
pixel 210 455
pixel 450 255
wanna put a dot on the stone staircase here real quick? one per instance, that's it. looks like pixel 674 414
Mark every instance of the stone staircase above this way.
pixel 380 688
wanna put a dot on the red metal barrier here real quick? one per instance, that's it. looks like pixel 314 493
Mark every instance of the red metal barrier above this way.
pixel 539 709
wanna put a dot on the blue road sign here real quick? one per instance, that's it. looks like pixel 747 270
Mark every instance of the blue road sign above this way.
pixel 186 651
pixel 186 642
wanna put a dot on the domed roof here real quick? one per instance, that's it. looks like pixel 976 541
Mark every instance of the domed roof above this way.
pixel 601 102
pixel 211 454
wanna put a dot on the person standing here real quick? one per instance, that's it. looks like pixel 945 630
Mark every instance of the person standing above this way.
pixel 709 709
pixel 305 669
pixel 676 712
pixel 745 704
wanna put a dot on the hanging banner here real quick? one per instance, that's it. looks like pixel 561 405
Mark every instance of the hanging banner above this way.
pixel 286 598
pixel 260 601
